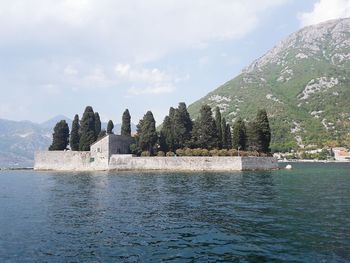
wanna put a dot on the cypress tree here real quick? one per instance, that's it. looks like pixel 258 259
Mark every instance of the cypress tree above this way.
pixel 74 135
pixel 218 126
pixel 228 136
pixel 110 127
pixel 263 131
pixel 60 137
pixel 205 134
pixel 148 136
pixel 182 126
pixel 102 134
pixel 87 129
pixel 252 132
pixel 97 125
pixel 126 124
pixel 166 140
pixel 239 135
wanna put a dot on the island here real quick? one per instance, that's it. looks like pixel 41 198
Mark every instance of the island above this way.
pixel 205 144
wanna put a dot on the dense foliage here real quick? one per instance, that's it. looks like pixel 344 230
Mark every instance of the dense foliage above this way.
pixel 60 137
pixel 110 127
pixel 97 125
pixel 87 129
pixel 219 128
pixel 148 136
pixel 178 133
pixel 75 135
pixel 239 135
pixel 126 124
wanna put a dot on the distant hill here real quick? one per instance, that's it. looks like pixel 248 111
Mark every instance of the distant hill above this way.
pixel 303 82
pixel 52 122
pixel 20 139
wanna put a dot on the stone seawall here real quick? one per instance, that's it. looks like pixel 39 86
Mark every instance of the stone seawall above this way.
pixel 118 162
pixel 82 161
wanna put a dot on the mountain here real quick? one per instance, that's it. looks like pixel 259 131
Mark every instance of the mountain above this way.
pixel 20 139
pixel 52 122
pixel 303 82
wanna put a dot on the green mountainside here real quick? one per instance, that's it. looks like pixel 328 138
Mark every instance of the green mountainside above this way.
pixel 303 82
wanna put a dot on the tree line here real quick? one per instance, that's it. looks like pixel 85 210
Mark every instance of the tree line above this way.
pixel 85 131
pixel 179 131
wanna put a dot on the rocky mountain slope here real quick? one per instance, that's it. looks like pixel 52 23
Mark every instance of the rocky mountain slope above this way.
pixel 303 82
pixel 20 139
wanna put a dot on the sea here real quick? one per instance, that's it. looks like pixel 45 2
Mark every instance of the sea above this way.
pixel 298 215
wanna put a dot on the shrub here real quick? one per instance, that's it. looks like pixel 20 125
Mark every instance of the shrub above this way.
pixel 223 152
pixel 214 152
pixel 204 152
pixel 170 154
pixel 160 154
pixel 188 152
pixel 145 154
pixel 197 152
pixel 232 152
pixel 180 152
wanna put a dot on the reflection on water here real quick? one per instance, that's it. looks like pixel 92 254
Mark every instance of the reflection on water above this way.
pixel 298 215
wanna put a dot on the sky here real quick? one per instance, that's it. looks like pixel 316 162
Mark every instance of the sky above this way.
pixel 58 56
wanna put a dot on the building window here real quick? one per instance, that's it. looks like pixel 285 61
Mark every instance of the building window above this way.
pixel 92 160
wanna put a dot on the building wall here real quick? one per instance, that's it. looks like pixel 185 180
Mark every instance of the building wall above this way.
pixel 119 144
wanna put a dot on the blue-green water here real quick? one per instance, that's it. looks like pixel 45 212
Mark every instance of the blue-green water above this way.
pixel 298 215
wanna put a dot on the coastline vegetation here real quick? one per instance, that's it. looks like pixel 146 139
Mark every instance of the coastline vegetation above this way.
pixel 179 135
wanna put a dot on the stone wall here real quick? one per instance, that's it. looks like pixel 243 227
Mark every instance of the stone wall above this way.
pixel 61 160
pixel 125 162
pixel 259 163
pixel 83 161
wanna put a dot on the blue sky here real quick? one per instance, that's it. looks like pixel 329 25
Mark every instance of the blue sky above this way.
pixel 57 56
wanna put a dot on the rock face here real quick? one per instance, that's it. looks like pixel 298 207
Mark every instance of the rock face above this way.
pixel 303 82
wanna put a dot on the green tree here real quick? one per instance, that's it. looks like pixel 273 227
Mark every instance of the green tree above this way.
pixel 228 136
pixel 219 127
pixel 74 135
pixel 166 141
pixel 239 135
pixel 60 137
pixel 126 124
pixel 252 139
pixel 97 125
pixel 148 134
pixel 87 129
pixel 263 131
pixel 182 126
pixel 110 127
pixel 102 134
pixel 205 134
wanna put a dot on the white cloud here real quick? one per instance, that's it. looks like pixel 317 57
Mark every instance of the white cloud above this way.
pixel 155 90
pixel 325 10
pixel 137 30
pixel 148 81
pixel 69 70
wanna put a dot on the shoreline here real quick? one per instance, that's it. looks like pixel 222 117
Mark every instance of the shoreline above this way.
pixel 310 161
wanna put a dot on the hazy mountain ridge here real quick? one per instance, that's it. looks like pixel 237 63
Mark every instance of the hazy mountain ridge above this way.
pixel 20 139
pixel 304 82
